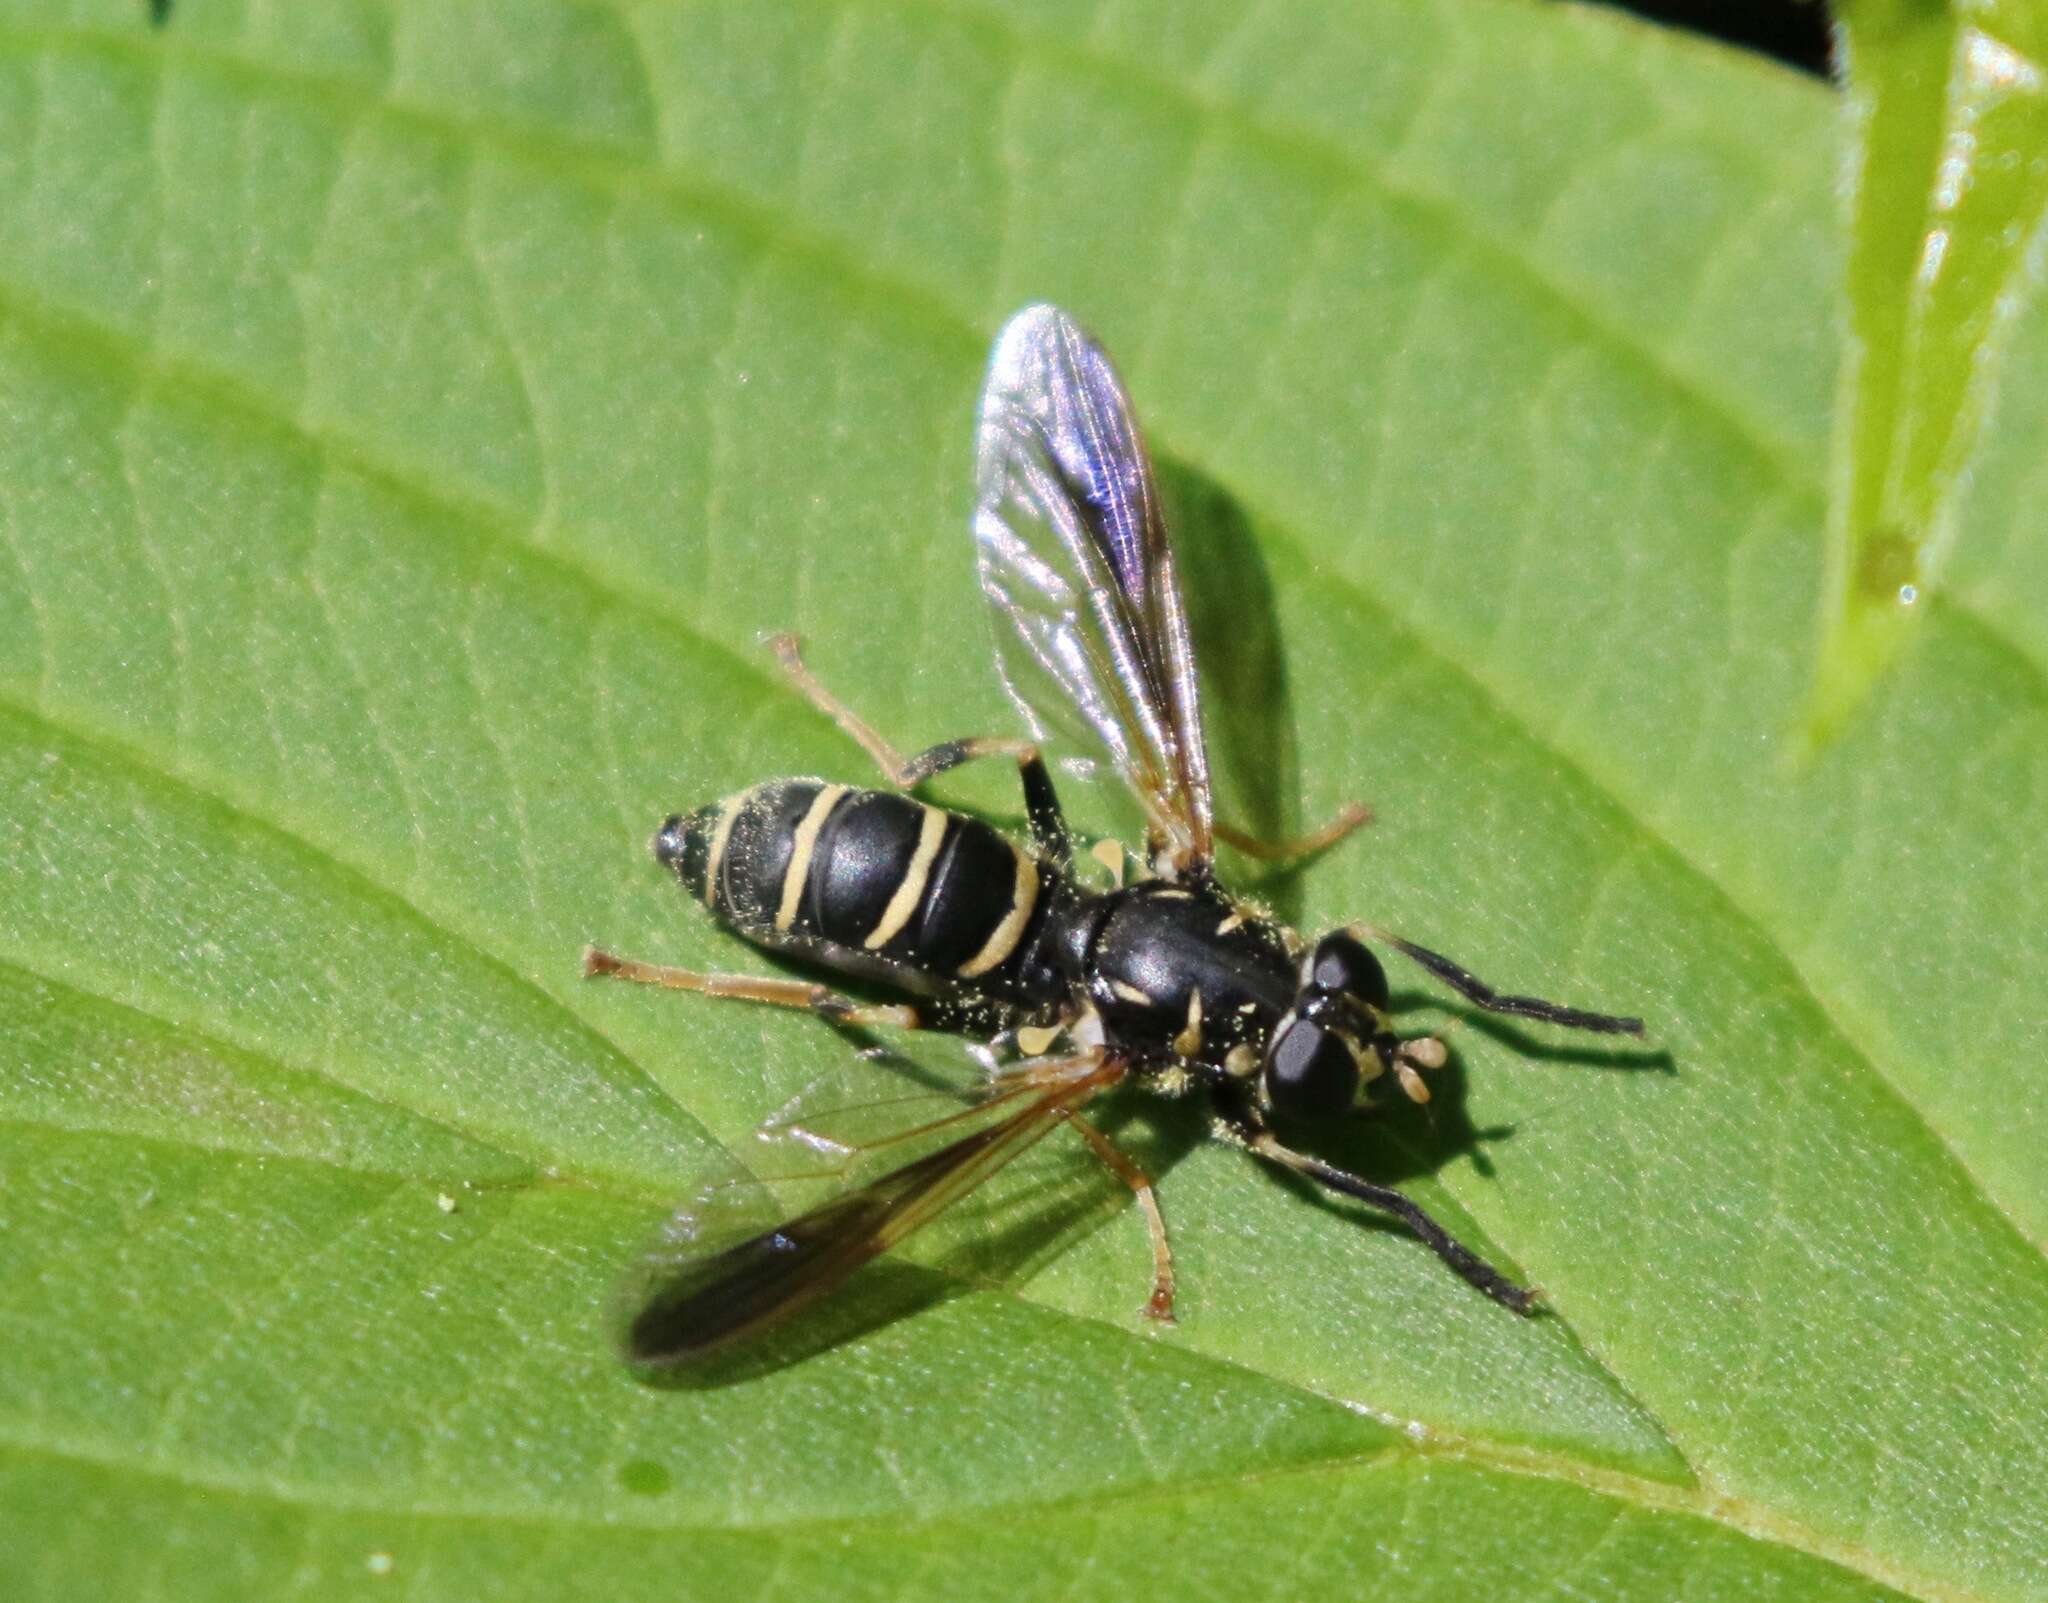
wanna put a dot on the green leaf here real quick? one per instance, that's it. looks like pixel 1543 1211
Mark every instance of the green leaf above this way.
pixel 413 417
pixel 1948 107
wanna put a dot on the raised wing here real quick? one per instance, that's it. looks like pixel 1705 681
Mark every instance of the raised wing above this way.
pixel 1093 641
pixel 701 1290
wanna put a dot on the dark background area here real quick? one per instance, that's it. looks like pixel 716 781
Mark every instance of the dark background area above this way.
pixel 1795 31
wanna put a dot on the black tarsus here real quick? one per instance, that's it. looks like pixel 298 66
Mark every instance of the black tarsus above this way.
pixel 1042 808
pixel 1478 992
pixel 1434 1236
pixel 1475 1270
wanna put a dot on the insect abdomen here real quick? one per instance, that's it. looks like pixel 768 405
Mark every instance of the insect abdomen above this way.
pixel 869 880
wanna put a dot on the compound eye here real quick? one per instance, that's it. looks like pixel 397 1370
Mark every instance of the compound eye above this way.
pixel 1343 966
pixel 1309 1070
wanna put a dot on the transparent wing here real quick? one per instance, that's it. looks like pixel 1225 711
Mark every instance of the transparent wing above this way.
pixel 842 1123
pixel 1093 639
pixel 862 1117
pixel 709 1281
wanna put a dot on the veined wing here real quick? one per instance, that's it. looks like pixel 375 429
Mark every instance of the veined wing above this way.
pixel 1074 557
pixel 702 1293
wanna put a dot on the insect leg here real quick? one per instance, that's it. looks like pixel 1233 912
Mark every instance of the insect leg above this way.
pixel 1247 1128
pixel 788 651
pixel 1349 817
pixel 827 1004
pixel 1041 803
pixel 1478 992
pixel 1119 1163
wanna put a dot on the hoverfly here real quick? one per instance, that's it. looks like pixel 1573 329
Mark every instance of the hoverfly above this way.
pixel 1170 981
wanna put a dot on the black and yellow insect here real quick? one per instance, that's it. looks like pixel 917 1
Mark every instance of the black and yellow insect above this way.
pixel 1170 981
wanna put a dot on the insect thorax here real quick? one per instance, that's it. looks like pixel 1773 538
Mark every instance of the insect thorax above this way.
pixel 1180 972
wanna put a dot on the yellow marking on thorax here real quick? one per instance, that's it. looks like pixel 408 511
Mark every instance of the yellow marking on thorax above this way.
pixel 1035 1040
pixel 1003 939
pixel 1231 923
pixel 800 852
pixel 1189 1042
pixel 1110 854
pixel 721 834
pixel 1172 1081
pixel 1130 993
pixel 910 889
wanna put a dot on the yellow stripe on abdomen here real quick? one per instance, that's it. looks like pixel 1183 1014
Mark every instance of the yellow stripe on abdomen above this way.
pixel 801 850
pixel 910 889
pixel 1003 939
pixel 721 836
